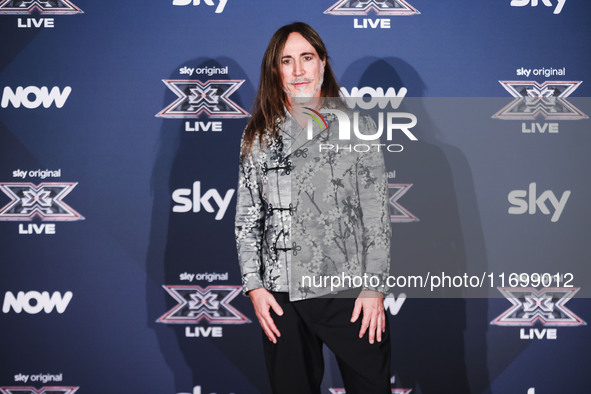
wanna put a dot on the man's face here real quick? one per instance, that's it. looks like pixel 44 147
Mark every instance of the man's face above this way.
pixel 301 68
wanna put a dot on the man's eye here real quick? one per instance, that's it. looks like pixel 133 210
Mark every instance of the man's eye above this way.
pixel 308 58
pixel 285 61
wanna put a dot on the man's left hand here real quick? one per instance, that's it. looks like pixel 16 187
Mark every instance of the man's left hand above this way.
pixel 371 303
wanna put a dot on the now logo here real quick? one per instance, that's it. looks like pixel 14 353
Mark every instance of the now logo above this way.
pixel 376 97
pixel 33 302
pixel 33 97
pixel 393 304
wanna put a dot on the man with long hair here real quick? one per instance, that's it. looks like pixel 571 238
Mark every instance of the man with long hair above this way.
pixel 297 319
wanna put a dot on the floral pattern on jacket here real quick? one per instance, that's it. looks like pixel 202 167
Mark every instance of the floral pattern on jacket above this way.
pixel 303 215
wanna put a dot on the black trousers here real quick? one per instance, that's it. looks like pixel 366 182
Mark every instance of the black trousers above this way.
pixel 295 363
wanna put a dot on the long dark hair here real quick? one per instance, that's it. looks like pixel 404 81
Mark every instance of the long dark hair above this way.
pixel 271 100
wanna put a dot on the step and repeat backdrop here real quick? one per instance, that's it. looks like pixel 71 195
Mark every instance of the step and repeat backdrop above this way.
pixel 120 125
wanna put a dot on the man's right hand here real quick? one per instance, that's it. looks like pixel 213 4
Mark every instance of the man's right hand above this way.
pixel 263 300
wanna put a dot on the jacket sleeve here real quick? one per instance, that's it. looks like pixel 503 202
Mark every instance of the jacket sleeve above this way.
pixel 373 198
pixel 249 224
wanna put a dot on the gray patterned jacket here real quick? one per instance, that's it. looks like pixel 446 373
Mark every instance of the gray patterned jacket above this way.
pixel 312 223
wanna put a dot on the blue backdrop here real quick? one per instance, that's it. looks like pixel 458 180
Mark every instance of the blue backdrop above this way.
pixel 118 122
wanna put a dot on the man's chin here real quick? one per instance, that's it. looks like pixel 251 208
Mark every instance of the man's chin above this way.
pixel 301 99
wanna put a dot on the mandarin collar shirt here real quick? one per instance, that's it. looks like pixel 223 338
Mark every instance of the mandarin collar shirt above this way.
pixel 312 221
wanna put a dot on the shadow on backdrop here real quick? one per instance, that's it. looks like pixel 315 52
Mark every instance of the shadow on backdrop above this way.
pixel 195 242
pixel 438 343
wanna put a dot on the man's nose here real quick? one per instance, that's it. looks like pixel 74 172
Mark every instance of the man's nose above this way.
pixel 298 69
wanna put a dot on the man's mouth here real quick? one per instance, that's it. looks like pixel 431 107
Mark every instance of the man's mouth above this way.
pixel 301 82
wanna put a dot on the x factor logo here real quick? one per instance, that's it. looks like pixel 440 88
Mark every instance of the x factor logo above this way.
pixel 196 97
pixel 380 7
pixel 55 7
pixel 394 391
pixel 545 305
pixel 550 108
pixel 44 200
pixel 196 303
pixel 547 89
pixel 398 213
pixel 533 99
pixel 42 390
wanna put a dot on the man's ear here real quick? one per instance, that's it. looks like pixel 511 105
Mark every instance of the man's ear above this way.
pixel 323 62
